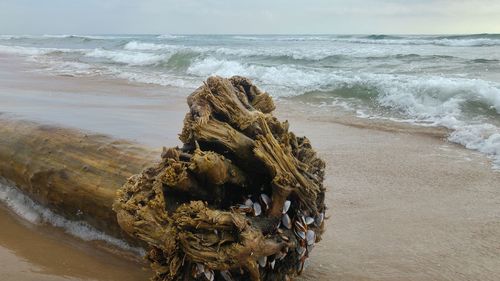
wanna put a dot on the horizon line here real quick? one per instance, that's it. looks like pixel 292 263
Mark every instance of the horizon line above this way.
pixel 247 34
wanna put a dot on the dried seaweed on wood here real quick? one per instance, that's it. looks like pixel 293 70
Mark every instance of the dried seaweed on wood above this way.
pixel 243 199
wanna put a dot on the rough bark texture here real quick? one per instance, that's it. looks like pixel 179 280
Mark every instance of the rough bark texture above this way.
pixel 73 173
pixel 243 199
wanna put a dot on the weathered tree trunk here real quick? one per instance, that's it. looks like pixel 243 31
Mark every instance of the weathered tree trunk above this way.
pixel 75 174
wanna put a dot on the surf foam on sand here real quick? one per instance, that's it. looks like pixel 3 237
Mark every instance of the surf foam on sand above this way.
pixel 34 213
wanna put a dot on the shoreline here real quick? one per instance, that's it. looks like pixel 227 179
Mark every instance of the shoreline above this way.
pixel 378 124
pixel 156 104
pixel 46 253
pixel 403 205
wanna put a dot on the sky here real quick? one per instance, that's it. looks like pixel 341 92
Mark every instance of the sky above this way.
pixel 249 16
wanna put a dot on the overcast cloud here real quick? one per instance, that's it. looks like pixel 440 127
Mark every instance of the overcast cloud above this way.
pixel 256 16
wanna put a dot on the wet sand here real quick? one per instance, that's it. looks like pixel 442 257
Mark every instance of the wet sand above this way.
pixel 403 203
pixel 404 207
pixel 139 112
pixel 38 252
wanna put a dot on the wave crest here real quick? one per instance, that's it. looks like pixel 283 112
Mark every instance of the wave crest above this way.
pixel 129 58
pixel 141 46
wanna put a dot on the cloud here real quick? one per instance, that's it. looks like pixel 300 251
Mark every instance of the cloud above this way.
pixel 257 16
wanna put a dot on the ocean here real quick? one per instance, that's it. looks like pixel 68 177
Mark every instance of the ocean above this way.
pixel 450 81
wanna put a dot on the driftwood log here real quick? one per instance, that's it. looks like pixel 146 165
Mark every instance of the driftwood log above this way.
pixel 243 199
pixel 75 174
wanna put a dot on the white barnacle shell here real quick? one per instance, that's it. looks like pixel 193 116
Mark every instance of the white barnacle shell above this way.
pixel 272 263
pixel 262 261
pixel 266 200
pixel 249 202
pixel 311 237
pixel 209 274
pixel 286 206
pixel 301 251
pixel 257 209
pixel 226 275
pixel 300 234
pixel 300 266
pixel 286 221
pixel 310 248
pixel 319 219
pixel 309 220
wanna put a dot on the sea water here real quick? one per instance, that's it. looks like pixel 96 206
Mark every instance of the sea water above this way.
pixel 451 81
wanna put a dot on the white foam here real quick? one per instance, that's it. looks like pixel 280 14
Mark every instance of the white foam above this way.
pixel 33 51
pixel 428 100
pixel 30 51
pixel 284 75
pixel 295 53
pixel 169 36
pixel 212 66
pixel 299 53
pixel 128 57
pixel 34 213
pixel 305 52
pixel 484 138
pixel 433 96
pixel 439 101
pixel 140 46
pixel 156 78
pixel 70 68
pixel 467 42
pixel 55 36
pixel 431 99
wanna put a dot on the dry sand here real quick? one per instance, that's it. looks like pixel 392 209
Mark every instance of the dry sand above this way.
pixel 403 203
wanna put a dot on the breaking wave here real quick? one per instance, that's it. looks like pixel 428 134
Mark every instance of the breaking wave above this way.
pixel 469 107
pixel 449 81
pixel 130 58
pixel 30 51
pixel 135 45
pixel 466 106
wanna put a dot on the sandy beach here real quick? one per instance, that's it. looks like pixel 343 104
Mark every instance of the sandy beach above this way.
pixel 46 253
pixel 404 204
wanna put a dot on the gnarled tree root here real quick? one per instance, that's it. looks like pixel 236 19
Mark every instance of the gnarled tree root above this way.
pixel 243 199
